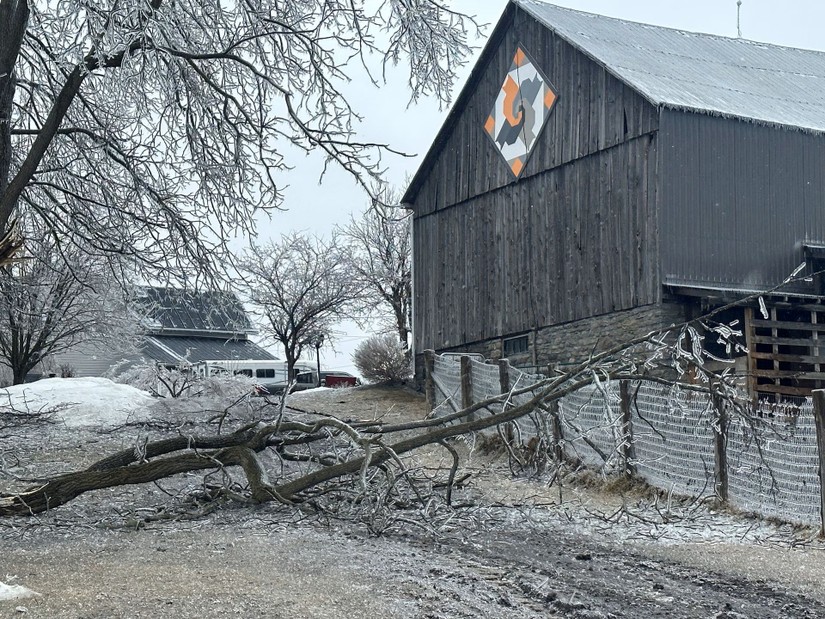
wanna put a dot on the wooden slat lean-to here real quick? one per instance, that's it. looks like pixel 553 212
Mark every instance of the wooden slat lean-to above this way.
pixel 784 351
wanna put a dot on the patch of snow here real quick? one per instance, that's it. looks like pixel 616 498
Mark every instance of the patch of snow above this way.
pixel 313 390
pixel 15 592
pixel 80 402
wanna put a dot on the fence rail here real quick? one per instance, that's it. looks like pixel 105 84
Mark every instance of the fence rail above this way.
pixel 678 440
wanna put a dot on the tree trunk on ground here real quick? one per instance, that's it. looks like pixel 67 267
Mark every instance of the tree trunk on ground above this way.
pixel 240 449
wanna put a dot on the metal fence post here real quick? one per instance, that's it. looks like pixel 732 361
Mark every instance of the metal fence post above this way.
pixel 627 451
pixel 720 447
pixel 429 383
pixel 819 418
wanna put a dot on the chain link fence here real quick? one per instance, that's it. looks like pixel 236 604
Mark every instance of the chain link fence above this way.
pixel 670 437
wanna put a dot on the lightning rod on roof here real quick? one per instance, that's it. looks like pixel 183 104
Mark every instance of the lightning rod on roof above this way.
pixel 738 22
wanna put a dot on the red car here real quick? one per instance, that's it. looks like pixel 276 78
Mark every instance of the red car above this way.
pixel 339 379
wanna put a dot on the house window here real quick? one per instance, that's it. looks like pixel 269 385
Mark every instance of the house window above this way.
pixel 265 373
pixel 516 345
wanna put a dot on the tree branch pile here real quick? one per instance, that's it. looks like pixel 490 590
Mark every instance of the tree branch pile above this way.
pixel 338 457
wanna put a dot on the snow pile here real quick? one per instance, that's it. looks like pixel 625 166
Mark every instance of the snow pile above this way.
pixel 15 592
pixel 80 402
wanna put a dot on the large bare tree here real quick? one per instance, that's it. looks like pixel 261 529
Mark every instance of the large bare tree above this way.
pixel 300 287
pixel 52 300
pixel 380 243
pixel 157 129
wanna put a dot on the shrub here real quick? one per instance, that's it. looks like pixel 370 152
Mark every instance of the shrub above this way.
pixel 382 359
pixel 180 383
pixel 158 380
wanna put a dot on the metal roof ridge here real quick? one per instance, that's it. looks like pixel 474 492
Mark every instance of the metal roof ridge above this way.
pixel 525 3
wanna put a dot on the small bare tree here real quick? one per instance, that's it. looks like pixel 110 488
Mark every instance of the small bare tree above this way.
pixel 299 286
pixel 380 243
pixel 52 300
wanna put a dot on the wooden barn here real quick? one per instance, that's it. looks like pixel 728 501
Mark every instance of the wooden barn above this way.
pixel 598 178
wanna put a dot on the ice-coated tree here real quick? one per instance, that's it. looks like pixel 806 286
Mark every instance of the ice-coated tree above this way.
pixel 380 244
pixel 156 129
pixel 299 287
pixel 52 299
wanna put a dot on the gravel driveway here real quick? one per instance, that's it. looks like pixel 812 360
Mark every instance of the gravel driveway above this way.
pixel 515 550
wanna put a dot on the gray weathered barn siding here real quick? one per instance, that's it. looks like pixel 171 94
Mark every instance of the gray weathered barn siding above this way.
pixel 676 172
pixel 574 237
pixel 738 200
pixel 594 111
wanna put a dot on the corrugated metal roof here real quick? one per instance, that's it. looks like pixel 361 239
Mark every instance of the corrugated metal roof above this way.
pixel 685 70
pixel 172 349
pixel 175 308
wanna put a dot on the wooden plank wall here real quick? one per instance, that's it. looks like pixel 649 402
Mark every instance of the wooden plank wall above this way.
pixel 785 349
pixel 576 236
pixel 594 111
pixel 567 244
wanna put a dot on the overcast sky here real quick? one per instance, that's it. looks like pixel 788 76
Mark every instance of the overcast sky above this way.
pixel 387 117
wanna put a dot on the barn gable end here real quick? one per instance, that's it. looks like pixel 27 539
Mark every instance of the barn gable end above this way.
pixel 494 257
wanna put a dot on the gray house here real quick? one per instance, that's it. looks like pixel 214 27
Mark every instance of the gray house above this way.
pixel 180 326
pixel 598 178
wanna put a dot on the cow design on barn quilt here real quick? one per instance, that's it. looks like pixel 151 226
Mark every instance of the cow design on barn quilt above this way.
pixel 520 112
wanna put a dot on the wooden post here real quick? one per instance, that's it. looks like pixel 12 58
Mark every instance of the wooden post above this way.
pixel 628 453
pixel 558 436
pixel 466 382
pixel 504 385
pixel 504 375
pixel 429 383
pixel 751 346
pixel 720 448
pixel 819 418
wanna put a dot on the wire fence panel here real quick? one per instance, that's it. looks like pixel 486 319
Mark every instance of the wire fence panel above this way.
pixel 447 378
pixel 673 439
pixel 591 426
pixel 536 423
pixel 772 459
pixel 774 469
pixel 485 381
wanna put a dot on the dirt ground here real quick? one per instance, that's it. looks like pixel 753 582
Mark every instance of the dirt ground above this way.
pixel 517 548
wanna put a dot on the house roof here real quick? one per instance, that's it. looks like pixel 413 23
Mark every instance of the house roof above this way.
pixel 722 76
pixel 174 349
pixel 175 309
pixel 717 75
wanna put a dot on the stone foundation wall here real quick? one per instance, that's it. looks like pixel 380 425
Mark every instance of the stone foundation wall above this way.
pixel 574 341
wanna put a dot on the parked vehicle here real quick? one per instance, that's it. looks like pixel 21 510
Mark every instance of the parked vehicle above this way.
pixel 269 377
pixel 338 379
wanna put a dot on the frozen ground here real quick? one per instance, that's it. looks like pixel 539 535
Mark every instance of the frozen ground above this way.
pixel 517 548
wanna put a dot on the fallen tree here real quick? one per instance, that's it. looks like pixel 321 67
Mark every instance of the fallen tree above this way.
pixel 357 458
pixel 357 461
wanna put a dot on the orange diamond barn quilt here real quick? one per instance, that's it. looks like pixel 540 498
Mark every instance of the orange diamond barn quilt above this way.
pixel 520 111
